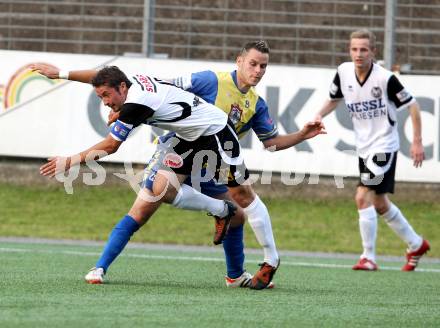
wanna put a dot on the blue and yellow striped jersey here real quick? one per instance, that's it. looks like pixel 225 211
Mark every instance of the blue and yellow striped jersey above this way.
pixel 246 110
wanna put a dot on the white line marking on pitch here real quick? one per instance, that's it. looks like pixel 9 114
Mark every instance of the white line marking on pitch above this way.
pixel 198 258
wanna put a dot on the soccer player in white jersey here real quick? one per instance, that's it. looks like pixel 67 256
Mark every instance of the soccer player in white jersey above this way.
pixel 372 96
pixel 200 128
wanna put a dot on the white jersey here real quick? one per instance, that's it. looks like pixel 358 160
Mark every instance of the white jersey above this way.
pixel 162 104
pixel 372 106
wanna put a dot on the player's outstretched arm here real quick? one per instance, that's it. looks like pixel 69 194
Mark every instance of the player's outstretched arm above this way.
pixel 48 70
pixel 53 72
pixel 310 130
pixel 417 151
pixel 60 164
pixel 85 76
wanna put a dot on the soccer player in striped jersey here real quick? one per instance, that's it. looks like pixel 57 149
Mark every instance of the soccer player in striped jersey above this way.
pixel 372 96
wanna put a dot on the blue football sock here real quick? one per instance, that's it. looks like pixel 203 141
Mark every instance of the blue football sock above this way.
pixel 119 237
pixel 234 252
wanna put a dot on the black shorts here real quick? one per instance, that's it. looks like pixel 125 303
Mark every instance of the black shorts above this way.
pixel 377 172
pixel 219 154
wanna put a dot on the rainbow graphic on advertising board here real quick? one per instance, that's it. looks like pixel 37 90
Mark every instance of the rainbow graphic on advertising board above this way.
pixel 23 85
pixel 2 93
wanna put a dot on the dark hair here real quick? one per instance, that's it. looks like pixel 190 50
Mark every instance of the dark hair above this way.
pixel 110 76
pixel 260 45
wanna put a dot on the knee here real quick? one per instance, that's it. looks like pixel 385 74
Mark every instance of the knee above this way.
pixel 361 199
pixel 243 195
pixel 381 206
pixel 170 195
pixel 166 193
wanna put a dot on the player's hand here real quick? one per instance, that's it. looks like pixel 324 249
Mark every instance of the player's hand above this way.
pixel 47 70
pixel 417 153
pixel 312 129
pixel 112 117
pixel 55 165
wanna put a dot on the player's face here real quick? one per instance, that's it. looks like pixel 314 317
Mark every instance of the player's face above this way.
pixel 251 67
pixel 361 53
pixel 112 97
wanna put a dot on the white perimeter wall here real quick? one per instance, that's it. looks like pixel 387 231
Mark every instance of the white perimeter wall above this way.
pixel 48 120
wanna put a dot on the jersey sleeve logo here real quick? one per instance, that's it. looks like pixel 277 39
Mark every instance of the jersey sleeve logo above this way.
pixel 376 92
pixel 235 113
pixel 333 89
pixel 196 101
pixel 121 130
pixel 173 161
pixel 403 96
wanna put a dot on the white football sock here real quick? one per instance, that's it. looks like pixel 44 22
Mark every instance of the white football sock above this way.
pixel 368 229
pixel 259 220
pixel 395 219
pixel 190 199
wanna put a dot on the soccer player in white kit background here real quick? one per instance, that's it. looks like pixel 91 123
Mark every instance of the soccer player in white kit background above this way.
pixel 372 96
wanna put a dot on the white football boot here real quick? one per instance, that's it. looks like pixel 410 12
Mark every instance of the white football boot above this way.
pixel 243 281
pixel 95 276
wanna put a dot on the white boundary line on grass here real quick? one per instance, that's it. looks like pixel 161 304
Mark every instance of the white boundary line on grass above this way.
pixel 198 258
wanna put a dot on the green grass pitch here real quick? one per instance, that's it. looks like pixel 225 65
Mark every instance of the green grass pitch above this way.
pixel 311 225
pixel 42 286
